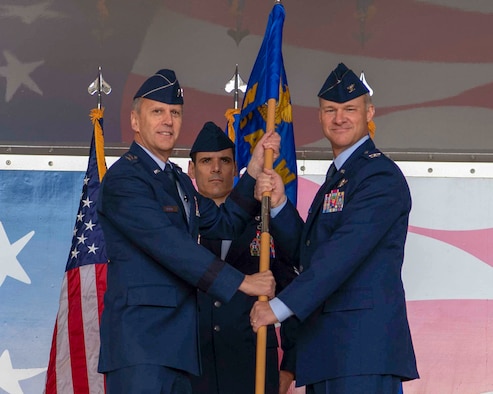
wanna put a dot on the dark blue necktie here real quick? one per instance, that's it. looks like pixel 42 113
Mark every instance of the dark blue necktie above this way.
pixel 173 178
pixel 331 171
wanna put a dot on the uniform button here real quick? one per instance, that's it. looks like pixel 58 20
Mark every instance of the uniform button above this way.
pixel 217 304
pixel 307 242
pixel 301 268
pixel 217 328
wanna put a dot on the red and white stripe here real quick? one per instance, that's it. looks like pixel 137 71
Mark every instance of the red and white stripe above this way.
pixel 75 348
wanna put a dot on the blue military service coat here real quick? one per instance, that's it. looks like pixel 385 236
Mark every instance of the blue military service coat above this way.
pixel 156 264
pixel 349 295
pixel 228 343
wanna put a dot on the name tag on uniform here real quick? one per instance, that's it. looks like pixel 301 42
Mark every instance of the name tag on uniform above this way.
pixel 170 208
pixel 333 201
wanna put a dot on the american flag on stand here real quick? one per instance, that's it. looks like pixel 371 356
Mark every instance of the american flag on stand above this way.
pixel 75 347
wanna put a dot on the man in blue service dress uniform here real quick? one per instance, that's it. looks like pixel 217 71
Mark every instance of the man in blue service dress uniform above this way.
pixel 354 336
pixel 151 215
pixel 227 342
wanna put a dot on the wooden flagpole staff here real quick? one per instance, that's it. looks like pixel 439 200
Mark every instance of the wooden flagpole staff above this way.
pixel 264 264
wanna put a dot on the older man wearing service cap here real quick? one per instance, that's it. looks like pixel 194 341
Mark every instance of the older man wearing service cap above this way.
pixel 227 343
pixel 354 336
pixel 151 216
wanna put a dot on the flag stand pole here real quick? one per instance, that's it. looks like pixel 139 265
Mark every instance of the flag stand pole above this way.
pixel 264 264
pixel 99 86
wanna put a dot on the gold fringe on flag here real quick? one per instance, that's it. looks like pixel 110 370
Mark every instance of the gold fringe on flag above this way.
pixel 96 115
pixel 371 128
pixel 230 117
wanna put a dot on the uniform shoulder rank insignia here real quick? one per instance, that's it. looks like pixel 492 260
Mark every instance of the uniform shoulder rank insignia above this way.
pixel 374 155
pixel 131 157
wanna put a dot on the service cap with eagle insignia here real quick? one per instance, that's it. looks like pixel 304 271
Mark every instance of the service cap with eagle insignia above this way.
pixel 342 85
pixel 163 86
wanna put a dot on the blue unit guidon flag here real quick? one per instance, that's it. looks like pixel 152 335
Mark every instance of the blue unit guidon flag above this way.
pixel 74 352
pixel 268 81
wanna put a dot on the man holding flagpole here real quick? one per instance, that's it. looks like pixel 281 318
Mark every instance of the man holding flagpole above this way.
pixel 354 335
pixel 267 106
pixel 151 216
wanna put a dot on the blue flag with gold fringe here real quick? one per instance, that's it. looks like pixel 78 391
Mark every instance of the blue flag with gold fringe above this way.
pixel 267 81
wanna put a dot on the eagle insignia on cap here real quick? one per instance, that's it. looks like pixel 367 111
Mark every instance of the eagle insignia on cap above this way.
pixel 342 85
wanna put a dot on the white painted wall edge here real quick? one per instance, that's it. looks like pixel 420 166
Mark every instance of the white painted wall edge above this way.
pixel 305 167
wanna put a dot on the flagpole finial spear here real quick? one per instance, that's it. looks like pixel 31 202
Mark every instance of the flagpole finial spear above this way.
pixel 99 85
pixel 235 85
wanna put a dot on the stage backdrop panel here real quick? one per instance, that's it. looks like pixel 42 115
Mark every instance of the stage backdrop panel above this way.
pixel 448 267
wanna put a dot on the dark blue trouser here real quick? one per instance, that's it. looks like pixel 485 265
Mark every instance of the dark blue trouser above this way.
pixel 147 379
pixel 361 384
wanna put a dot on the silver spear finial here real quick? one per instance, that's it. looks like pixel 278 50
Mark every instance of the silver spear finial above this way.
pixel 99 85
pixel 235 85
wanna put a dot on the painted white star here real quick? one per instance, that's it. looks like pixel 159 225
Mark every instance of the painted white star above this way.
pixel 9 265
pixel 89 225
pixel 9 377
pixel 82 239
pixel 92 249
pixel 86 180
pixel 87 203
pixel 80 215
pixel 17 74
pixel 74 253
pixel 29 14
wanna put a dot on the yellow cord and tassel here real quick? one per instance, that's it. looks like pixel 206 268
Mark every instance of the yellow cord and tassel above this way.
pixel 95 115
pixel 371 128
pixel 230 117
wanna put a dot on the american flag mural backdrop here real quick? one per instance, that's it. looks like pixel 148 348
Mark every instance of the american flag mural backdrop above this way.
pixel 428 61
pixel 431 74
pixel 447 275
pixel 37 211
